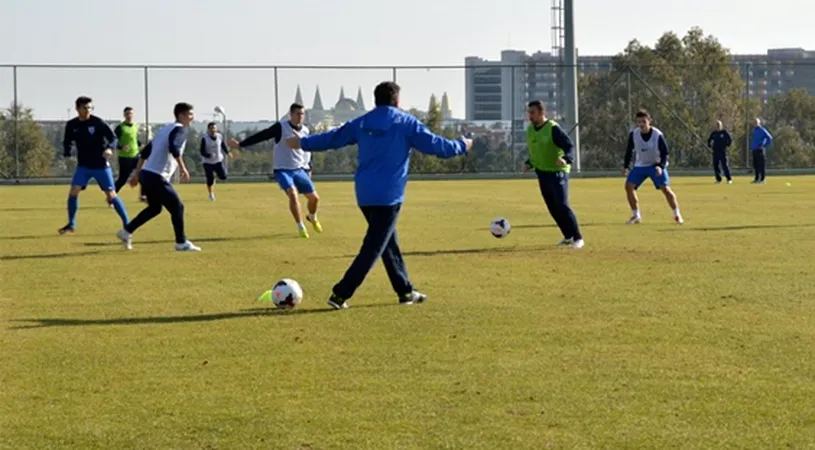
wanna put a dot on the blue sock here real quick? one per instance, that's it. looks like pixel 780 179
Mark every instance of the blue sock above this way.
pixel 73 207
pixel 119 206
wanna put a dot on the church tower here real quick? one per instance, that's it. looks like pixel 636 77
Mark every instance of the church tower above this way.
pixel 298 97
pixel 446 112
pixel 360 100
pixel 318 101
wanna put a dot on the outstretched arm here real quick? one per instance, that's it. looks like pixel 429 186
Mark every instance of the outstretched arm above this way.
pixel 426 142
pixel 331 140
pixel 273 132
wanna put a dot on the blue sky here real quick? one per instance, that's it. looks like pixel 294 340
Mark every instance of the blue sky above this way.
pixel 328 33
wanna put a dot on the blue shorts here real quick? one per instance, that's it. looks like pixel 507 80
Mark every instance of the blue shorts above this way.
pixel 639 174
pixel 294 178
pixel 103 177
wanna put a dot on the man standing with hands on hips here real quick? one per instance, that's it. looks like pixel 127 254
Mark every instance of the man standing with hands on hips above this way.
pixel 759 141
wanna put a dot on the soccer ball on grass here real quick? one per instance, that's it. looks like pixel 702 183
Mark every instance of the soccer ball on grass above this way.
pixel 500 227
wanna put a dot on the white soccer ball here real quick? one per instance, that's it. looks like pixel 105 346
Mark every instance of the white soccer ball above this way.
pixel 287 294
pixel 500 227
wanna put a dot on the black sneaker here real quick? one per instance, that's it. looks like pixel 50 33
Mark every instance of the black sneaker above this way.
pixel 336 302
pixel 411 298
pixel 66 229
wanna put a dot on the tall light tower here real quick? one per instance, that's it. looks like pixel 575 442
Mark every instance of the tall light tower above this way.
pixel 570 102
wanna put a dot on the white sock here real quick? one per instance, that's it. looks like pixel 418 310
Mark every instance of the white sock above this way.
pixel 300 225
pixel 635 212
pixel 312 216
pixel 676 212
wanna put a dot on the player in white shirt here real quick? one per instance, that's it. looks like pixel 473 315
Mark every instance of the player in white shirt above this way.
pixel 213 154
pixel 158 162
pixel 291 167
pixel 650 151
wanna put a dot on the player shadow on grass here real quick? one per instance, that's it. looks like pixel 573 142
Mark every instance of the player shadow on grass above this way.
pixel 205 239
pixel 460 251
pixel 164 320
pixel 48 255
pixel 737 227
pixel 553 225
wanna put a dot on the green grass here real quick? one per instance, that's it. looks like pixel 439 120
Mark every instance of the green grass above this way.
pixel 653 336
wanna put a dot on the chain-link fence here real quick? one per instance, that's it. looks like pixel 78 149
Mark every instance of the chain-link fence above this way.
pixel 486 100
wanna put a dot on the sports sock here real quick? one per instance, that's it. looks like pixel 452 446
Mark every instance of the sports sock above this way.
pixel 301 226
pixel 119 206
pixel 73 207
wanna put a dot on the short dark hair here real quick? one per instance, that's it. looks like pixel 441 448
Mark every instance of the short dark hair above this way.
pixel 643 113
pixel 537 104
pixel 128 109
pixel 82 101
pixel 386 93
pixel 212 124
pixel 295 107
pixel 181 108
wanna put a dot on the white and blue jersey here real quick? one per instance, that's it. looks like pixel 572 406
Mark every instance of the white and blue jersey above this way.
pixel 161 153
pixel 649 151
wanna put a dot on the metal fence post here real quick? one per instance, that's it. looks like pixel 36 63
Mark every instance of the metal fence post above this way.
pixel 147 129
pixel 747 71
pixel 16 112
pixel 394 74
pixel 515 167
pixel 630 110
pixel 276 96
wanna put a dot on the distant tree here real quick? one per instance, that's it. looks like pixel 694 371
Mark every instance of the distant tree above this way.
pixel 686 83
pixel 25 149
pixel 790 117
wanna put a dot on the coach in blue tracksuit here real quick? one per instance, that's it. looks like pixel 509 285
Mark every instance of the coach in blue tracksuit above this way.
pixel 385 137
pixel 759 141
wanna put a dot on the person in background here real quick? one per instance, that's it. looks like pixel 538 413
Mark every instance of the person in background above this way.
pixel 720 142
pixel 759 141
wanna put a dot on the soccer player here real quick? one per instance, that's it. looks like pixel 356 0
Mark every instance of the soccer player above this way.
pixel 385 136
pixel 213 149
pixel 94 143
pixel 291 167
pixel 550 155
pixel 759 141
pixel 127 134
pixel 158 162
pixel 720 141
pixel 650 151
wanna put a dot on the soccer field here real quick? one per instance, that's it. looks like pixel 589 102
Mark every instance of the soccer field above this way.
pixel 652 336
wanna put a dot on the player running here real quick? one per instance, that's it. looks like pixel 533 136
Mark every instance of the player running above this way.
pixel 95 142
pixel 291 167
pixel 213 149
pixel 647 145
pixel 159 161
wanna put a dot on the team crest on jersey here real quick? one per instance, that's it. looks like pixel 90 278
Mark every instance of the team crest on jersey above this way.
pixel 91 130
